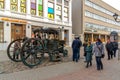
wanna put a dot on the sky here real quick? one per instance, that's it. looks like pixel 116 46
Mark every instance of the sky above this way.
pixel 113 3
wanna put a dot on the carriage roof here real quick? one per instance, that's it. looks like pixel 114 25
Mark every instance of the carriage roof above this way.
pixel 46 30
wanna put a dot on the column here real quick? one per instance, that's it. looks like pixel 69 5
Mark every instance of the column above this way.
pixel 70 11
pixel 92 37
pixel 45 10
pixel 28 30
pixel 7 34
pixel 62 10
pixel 18 5
pixel 55 10
pixel 70 37
pixel 28 7
pixel 37 8
pixel 7 5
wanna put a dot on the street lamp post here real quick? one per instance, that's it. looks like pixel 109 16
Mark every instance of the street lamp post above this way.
pixel 116 17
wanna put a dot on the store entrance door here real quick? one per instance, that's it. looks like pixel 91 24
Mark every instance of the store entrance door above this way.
pixel 17 31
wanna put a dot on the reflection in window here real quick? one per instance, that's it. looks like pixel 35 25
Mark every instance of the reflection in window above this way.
pixel 1 4
pixel 40 7
pixel 23 6
pixel 33 7
pixel 14 5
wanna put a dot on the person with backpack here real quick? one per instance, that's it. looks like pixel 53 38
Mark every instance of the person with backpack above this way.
pixel 98 50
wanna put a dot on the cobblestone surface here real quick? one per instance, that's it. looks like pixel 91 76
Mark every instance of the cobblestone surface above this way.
pixel 66 71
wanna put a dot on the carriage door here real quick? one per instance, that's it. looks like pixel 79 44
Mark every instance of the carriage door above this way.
pixel 17 31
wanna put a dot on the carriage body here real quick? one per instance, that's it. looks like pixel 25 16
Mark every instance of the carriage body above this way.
pixel 32 50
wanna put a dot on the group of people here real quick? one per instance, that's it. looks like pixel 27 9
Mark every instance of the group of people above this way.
pixel 97 49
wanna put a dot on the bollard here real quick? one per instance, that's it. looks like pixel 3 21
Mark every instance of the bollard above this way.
pixel 119 54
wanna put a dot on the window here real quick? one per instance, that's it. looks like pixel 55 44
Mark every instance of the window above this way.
pixel 59 12
pixel 59 1
pixel 33 7
pixel 40 7
pixel 50 10
pixel 14 5
pixel 23 6
pixel 66 3
pixel 65 14
pixel 1 4
pixel 1 32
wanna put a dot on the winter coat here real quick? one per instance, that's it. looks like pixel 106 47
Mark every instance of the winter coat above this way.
pixel 89 53
pixel 76 44
pixel 109 46
pixel 98 49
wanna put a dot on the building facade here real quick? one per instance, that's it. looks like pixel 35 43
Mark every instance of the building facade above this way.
pixel 93 19
pixel 19 17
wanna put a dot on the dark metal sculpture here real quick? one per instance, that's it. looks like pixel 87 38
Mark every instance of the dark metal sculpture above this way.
pixel 32 51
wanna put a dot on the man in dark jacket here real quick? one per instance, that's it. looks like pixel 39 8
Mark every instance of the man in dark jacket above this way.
pixel 76 49
pixel 115 47
pixel 109 48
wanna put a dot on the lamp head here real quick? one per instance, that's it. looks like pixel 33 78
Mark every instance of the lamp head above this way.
pixel 115 16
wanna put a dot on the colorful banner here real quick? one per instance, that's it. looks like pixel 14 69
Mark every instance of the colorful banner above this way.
pixel 50 10
pixel 33 7
pixel 50 16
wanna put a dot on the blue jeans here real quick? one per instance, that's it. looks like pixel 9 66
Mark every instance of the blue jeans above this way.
pixel 75 54
pixel 99 63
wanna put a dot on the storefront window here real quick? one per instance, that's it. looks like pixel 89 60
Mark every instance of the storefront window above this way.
pixel 40 7
pixel 1 32
pixel 102 38
pixel 33 7
pixel 50 10
pixel 95 37
pixel 14 5
pixel 23 6
pixel 1 4
pixel 87 37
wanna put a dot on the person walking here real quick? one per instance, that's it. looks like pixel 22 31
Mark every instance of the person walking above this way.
pixel 115 47
pixel 109 49
pixel 85 45
pixel 75 48
pixel 98 50
pixel 89 55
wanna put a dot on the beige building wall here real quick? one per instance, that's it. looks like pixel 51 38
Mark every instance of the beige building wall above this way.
pixel 79 19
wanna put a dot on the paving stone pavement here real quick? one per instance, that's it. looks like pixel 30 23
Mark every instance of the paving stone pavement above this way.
pixel 69 71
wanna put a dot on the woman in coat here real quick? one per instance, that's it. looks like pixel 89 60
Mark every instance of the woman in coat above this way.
pixel 89 54
pixel 98 50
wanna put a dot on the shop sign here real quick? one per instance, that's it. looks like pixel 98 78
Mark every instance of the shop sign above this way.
pixel 13 20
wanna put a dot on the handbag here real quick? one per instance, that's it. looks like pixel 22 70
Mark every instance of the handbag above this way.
pixel 102 56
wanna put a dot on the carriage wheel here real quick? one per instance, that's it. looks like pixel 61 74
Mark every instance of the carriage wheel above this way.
pixel 14 53
pixel 32 52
